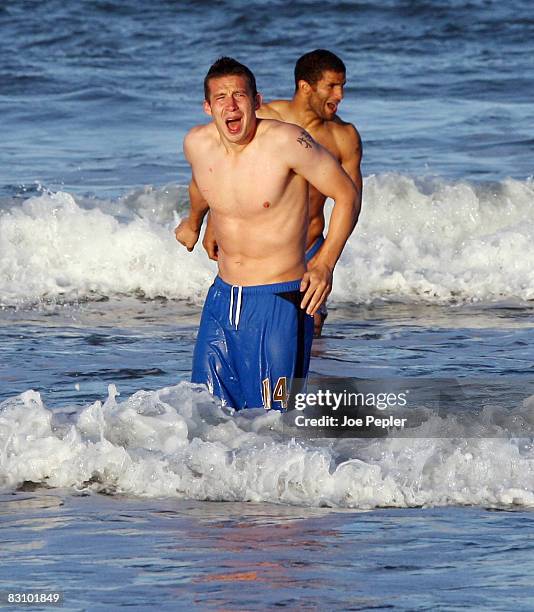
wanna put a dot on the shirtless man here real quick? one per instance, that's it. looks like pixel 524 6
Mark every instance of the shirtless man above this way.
pixel 256 328
pixel 319 83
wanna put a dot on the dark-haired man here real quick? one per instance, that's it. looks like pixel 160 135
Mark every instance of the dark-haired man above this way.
pixel 319 83
pixel 256 328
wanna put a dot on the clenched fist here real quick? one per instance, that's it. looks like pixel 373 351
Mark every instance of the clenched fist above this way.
pixel 186 234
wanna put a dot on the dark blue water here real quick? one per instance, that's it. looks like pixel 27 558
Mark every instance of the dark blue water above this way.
pixel 96 96
pixel 179 555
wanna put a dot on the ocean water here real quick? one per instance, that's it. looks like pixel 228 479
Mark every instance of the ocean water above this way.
pixel 122 484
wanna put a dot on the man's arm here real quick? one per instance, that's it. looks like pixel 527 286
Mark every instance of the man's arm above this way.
pixel 188 231
pixel 319 168
pixel 350 147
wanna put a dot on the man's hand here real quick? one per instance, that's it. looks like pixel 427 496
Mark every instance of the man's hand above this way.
pixel 316 284
pixel 186 234
pixel 209 242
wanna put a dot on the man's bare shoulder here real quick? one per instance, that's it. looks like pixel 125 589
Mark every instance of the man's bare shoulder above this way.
pixel 199 136
pixel 347 129
pixel 346 135
pixel 276 109
pixel 289 142
pixel 281 131
pixel 200 132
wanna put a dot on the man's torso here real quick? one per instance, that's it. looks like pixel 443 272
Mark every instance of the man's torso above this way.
pixel 258 205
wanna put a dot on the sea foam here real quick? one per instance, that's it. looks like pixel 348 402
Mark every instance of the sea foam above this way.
pixel 177 442
pixel 416 241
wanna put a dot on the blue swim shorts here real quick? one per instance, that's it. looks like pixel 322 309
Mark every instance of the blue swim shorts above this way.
pixel 252 342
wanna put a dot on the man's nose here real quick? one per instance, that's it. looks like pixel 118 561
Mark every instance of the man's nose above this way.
pixel 231 103
pixel 339 93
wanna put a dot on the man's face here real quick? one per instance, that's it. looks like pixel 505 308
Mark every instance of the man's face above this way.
pixel 232 107
pixel 327 93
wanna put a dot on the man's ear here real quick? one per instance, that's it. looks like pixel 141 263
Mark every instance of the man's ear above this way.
pixel 258 101
pixel 207 108
pixel 304 86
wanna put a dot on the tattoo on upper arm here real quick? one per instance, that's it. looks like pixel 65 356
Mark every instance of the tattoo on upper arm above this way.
pixel 305 140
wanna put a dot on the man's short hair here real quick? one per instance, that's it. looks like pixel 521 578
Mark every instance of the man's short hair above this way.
pixel 228 66
pixel 310 66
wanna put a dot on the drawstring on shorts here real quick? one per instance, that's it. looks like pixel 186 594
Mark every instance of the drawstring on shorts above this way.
pixel 237 314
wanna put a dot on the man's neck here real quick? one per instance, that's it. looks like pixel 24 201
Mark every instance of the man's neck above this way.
pixel 305 116
pixel 234 148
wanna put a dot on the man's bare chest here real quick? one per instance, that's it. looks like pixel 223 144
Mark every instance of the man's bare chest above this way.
pixel 242 185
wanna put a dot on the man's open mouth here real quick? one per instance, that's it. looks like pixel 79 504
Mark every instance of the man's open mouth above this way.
pixel 234 125
pixel 331 107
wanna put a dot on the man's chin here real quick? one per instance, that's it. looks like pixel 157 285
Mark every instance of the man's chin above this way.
pixel 232 136
pixel 236 138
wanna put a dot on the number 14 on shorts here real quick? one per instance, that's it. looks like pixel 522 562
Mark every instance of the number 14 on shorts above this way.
pixel 279 393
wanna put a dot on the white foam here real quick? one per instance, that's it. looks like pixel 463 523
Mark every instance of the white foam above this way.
pixel 416 241
pixel 51 247
pixel 440 242
pixel 177 442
